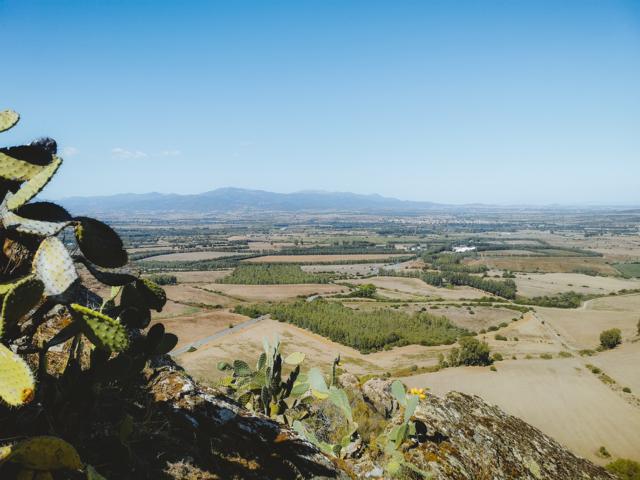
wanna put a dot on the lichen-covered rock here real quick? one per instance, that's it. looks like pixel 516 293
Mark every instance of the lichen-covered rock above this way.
pixel 468 439
pixel 226 440
pixel 378 393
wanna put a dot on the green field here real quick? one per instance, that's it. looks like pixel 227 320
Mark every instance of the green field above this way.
pixel 629 269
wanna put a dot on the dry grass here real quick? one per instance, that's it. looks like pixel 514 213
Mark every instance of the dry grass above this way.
pixel 540 284
pixel 546 264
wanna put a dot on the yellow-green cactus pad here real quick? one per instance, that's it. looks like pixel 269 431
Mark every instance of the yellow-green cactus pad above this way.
pixel 53 265
pixel 8 118
pixel 103 331
pixel 34 185
pixel 18 170
pixel 20 300
pixel 17 385
pixel 46 453
pixel 100 243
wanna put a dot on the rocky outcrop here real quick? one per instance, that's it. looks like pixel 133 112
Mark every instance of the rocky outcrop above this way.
pixel 378 393
pixel 220 439
pixel 468 439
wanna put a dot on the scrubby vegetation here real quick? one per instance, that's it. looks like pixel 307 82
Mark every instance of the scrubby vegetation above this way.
pixel 364 331
pixel 610 338
pixel 625 469
pixel 272 274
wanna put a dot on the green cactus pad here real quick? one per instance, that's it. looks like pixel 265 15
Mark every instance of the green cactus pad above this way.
pixel 44 211
pixel 152 293
pixel 17 385
pixel 100 243
pixel 18 301
pixel 8 119
pixel 103 331
pixel 53 265
pixel 34 185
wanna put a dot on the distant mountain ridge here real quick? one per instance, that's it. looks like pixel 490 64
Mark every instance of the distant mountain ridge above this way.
pixel 239 199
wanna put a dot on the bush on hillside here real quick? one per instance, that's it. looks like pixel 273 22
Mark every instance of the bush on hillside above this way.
pixel 610 338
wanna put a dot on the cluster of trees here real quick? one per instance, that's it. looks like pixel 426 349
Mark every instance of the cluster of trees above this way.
pixel 365 331
pixel 560 300
pixel 191 265
pixel 367 290
pixel 471 352
pixel 505 288
pixel 273 274
pixel 163 279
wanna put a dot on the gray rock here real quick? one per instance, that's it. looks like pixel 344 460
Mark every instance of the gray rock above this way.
pixel 378 393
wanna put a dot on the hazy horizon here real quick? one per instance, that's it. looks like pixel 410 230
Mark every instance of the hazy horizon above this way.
pixel 505 103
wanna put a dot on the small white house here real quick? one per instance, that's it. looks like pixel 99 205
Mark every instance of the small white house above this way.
pixel 463 249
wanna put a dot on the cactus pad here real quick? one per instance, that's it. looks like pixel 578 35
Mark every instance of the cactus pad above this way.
pixel 46 453
pixel 103 331
pixel 53 265
pixel 8 119
pixel 32 187
pixel 44 211
pixel 16 169
pixel 31 227
pixel 152 294
pixel 23 296
pixel 100 243
pixel 17 385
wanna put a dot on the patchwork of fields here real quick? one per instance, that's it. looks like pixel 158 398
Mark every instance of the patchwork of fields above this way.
pixel 542 377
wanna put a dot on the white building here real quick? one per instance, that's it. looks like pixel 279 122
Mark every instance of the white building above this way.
pixel 463 249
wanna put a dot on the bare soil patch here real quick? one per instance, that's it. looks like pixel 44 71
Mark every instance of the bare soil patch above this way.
pixel 540 284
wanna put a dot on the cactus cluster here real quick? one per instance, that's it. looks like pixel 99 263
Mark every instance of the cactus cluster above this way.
pixel 288 401
pixel 39 280
pixel 264 389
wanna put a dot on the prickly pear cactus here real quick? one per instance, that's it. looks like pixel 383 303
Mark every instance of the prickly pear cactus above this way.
pixel 101 341
pixel 103 331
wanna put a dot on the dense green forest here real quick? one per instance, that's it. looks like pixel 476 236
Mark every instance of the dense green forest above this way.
pixel 273 274
pixel 365 331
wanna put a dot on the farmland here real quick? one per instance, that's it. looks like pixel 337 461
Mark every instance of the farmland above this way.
pixel 539 297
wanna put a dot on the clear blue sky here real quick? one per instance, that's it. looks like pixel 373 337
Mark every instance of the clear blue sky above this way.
pixel 451 101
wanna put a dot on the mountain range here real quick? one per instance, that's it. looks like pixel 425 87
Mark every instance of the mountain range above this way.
pixel 238 199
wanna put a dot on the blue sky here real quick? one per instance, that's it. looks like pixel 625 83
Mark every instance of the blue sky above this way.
pixel 507 101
